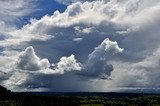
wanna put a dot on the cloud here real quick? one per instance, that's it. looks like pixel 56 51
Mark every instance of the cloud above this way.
pixel 150 68
pixel 94 32
pixel 29 61
pixel 11 14
pixel 111 18
pixel 67 64
pixel 15 81
pixel 98 61
pixel 29 64
pixel 67 2
pixel 143 74
pixel 10 9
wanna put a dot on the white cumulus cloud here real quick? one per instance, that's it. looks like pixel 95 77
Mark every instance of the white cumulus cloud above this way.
pixel 67 64
pixel 29 61
pixel 98 61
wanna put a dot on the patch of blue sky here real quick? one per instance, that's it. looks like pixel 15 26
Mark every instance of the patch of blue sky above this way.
pixel 43 7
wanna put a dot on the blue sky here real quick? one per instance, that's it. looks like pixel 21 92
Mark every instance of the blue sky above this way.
pixel 99 46
pixel 42 8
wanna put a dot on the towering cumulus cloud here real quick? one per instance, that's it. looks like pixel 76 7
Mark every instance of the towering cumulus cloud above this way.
pixel 98 45
pixel 98 61
pixel 29 61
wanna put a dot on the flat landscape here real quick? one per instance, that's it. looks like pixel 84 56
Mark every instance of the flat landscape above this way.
pixel 80 99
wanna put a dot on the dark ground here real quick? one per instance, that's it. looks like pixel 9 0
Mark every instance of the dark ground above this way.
pixel 8 98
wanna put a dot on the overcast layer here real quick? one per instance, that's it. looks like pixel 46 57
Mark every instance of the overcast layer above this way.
pixel 94 45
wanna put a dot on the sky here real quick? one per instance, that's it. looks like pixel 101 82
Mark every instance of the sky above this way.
pixel 80 45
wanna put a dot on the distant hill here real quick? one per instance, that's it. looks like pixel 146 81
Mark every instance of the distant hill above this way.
pixel 2 89
pixel 4 93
